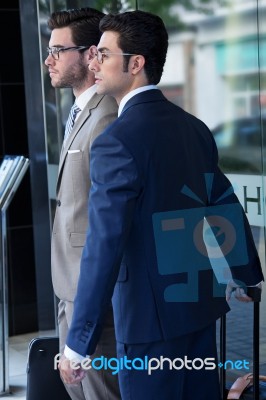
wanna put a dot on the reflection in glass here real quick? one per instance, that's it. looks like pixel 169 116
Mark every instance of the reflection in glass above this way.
pixel 212 70
pixel 215 69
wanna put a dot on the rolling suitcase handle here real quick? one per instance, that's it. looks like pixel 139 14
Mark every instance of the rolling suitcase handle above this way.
pixel 255 294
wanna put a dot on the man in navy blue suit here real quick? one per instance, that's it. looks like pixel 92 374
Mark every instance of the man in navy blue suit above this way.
pixel 155 185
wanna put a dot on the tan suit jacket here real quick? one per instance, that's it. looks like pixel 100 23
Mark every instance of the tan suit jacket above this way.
pixel 71 220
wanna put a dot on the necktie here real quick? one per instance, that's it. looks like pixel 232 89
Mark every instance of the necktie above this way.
pixel 71 120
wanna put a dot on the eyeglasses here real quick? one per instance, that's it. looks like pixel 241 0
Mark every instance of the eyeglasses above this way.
pixel 54 51
pixel 102 55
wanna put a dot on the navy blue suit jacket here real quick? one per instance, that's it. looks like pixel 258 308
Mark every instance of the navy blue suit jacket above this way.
pixel 153 165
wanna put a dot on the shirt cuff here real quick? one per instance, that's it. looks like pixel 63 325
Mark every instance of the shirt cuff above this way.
pixel 72 355
pixel 258 284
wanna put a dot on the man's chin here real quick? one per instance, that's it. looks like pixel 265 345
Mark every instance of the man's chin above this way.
pixel 99 89
pixel 55 84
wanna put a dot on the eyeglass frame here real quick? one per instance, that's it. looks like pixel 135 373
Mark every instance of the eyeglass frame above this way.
pixel 95 52
pixel 58 49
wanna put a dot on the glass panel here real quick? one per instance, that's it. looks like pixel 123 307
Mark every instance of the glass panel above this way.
pixel 262 105
pixel 57 102
pixel 215 69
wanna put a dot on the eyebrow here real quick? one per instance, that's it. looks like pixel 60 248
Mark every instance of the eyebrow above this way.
pixel 63 45
pixel 59 45
pixel 101 49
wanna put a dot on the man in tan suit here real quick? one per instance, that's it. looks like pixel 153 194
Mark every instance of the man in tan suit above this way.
pixel 73 32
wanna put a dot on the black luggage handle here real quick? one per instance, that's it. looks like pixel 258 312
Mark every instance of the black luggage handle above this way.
pixel 255 293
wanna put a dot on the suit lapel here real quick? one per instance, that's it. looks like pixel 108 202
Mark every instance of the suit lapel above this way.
pixel 85 114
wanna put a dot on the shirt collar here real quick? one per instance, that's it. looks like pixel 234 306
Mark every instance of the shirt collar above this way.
pixel 133 93
pixel 84 97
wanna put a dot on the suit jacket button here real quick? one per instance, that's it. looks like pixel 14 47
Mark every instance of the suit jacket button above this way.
pixel 58 203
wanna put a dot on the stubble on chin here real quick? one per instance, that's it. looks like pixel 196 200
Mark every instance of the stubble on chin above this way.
pixel 55 83
pixel 59 84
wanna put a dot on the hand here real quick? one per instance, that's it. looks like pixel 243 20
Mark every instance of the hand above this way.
pixel 239 292
pixel 70 371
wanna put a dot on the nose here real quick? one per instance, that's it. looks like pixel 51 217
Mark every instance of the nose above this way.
pixel 49 60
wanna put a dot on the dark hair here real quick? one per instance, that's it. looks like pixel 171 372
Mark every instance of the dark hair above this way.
pixel 83 22
pixel 142 33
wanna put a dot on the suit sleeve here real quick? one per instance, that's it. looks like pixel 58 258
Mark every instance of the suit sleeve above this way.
pixel 115 187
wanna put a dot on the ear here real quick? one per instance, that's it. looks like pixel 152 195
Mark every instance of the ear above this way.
pixel 91 53
pixel 137 64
